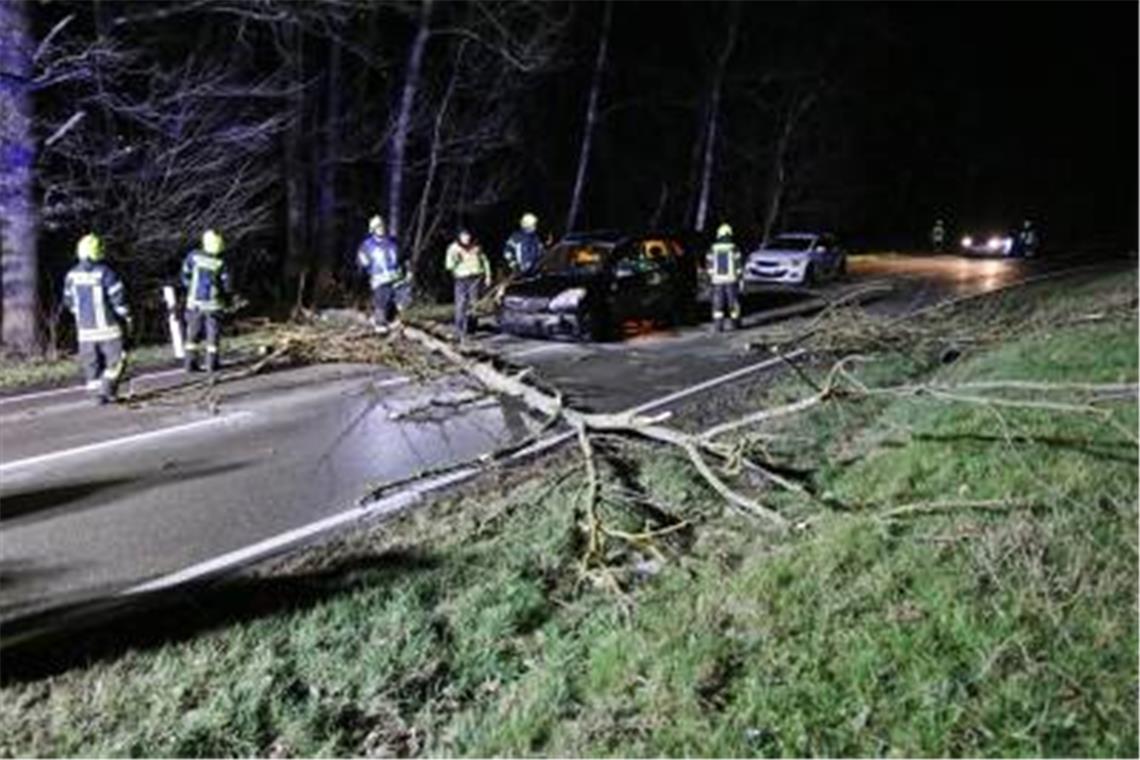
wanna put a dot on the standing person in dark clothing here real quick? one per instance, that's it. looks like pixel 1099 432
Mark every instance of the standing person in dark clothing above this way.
pixel 95 295
pixel 207 281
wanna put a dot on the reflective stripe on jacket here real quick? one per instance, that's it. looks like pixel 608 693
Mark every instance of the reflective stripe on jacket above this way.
pixel 379 257
pixel 725 262
pixel 467 261
pixel 96 296
pixel 206 279
pixel 523 250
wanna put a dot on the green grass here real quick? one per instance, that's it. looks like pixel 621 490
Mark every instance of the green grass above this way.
pixel 465 628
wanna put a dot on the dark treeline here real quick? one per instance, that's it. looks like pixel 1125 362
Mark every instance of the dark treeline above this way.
pixel 287 124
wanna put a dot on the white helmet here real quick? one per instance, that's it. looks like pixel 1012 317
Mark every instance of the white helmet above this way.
pixel 376 225
pixel 528 222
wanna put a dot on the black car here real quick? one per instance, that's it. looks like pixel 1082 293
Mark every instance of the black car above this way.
pixel 588 284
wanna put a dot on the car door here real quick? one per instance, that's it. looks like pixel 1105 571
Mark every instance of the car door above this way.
pixel 638 283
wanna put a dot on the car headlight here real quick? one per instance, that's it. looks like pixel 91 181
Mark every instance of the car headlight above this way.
pixel 994 243
pixel 967 241
pixel 568 299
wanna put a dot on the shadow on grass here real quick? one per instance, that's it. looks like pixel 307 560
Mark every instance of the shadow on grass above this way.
pixel 54 641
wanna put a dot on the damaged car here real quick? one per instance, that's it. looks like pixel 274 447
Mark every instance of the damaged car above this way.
pixel 589 284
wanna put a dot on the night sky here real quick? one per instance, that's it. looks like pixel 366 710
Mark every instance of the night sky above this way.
pixel 982 113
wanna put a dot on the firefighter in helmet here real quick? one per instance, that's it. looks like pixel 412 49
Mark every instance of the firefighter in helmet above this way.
pixel 524 248
pixel 206 278
pixel 379 257
pixel 725 265
pixel 938 236
pixel 96 297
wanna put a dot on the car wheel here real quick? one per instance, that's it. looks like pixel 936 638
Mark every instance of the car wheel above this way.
pixel 810 276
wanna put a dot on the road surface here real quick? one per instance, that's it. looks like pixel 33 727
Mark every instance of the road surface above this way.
pixel 94 501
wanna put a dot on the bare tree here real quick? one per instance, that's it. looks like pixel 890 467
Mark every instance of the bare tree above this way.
pixel 591 119
pixel 19 224
pixel 714 117
pixel 404 118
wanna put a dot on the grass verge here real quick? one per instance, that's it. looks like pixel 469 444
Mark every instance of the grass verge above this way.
pixel 1004 628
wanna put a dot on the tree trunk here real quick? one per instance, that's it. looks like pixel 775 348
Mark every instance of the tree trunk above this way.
pixel 714 119
pixel 295 200
pixel 403 120
pixel 780 168
pixel 19 297
pixel 327 175
pixel 433 161
pixel 591 120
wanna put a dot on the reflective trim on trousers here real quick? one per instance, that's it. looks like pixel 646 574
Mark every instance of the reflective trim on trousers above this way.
pixel 93 335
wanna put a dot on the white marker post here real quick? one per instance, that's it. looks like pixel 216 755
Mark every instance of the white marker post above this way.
pixel 173 322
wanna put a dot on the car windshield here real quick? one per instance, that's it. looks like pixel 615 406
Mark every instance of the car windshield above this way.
pixel 574 258
pixel 788 244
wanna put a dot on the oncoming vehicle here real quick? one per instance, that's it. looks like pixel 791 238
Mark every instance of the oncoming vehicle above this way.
pixel 987 245
pixel 589 283
pixel 796 258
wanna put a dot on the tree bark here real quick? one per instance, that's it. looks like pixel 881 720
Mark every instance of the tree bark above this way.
pixel 714 120
pixel 591 120
pixel 19 221
pixel 780 169
pixel 295 185
pixel 327 175
pixel 404 119
pixel 433 160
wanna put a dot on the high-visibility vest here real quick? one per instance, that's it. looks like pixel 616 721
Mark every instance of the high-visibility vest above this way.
pixel 466 261
pixel 725 262
pixel 380 258
pixel 96 296
pixel 206 279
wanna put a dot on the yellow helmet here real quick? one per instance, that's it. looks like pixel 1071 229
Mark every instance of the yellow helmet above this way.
pixel 376 225
pixel 528 222
pixel 725 230
pixel 89 248
pixel 212 243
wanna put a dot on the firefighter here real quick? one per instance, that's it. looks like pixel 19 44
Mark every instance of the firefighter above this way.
pixel 524 248
pixel 206 279
pixel 938 236
pixel 95 295
pixel 378 255
pixel 725 266
pixel 1026 240
pixel 470 268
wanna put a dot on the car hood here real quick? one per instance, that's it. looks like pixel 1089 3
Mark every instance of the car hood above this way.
pixel 549 285
pixel 777 253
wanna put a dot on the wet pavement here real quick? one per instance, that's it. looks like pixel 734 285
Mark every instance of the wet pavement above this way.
pixel 93 500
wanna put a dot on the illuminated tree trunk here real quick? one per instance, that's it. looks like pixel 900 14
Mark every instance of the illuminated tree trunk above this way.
pixel 591 120
pixel 326 171
pixel 714 119
pixel 404 119
pixel 19 301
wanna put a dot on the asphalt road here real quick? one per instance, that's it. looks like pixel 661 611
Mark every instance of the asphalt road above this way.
pixel 94 501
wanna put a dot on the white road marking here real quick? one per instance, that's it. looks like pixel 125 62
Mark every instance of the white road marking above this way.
pixel 78 388
pixel 538 349
pixel 10 467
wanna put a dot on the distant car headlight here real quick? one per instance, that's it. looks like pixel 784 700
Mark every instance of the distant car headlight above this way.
pixel 997 243
pixel 568 299
pixel 967 241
